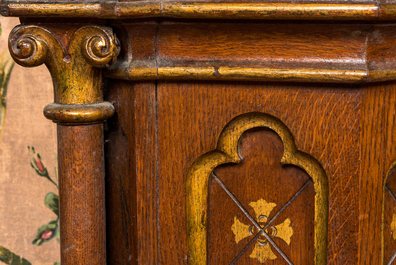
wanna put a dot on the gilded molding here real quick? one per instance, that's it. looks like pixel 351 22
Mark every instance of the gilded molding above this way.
pixel 227 152
pixel 237 74
pixel 74 69
pixel 285 10
pixel 79 114
pixel 203 10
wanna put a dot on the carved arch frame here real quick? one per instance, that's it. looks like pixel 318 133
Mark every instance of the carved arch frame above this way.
pixel 227 152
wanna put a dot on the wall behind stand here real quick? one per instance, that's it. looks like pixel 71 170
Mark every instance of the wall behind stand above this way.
pixel 28 177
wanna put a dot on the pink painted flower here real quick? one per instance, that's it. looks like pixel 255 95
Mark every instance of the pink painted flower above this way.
pixel 39 164
pixel 47 234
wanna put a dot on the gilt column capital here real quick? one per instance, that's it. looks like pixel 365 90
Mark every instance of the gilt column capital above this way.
pixel 75 65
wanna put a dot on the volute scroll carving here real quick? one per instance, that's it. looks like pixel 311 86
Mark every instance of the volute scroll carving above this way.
pixel 100 50
pixel 29 51
pixel 29 46
pixel 74 66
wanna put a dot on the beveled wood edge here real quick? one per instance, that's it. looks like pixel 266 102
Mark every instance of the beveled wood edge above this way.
pixel 203 10
pixel 250 74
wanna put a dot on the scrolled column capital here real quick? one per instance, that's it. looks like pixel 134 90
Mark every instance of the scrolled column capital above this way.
pixel 74 63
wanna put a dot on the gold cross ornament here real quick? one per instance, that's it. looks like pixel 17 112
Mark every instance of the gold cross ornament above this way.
pixel 262 250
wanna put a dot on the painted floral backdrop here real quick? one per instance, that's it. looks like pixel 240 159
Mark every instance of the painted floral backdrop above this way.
pixel 29 209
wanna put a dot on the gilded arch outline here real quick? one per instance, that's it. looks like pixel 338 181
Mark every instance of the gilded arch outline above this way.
pixel 227 152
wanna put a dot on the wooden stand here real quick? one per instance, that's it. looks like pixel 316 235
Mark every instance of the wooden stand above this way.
pixel 235 132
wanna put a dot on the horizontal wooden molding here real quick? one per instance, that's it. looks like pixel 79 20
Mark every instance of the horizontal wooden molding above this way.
pixel 311 75
pixel 288 52
pixel 203 10
pixel 238 74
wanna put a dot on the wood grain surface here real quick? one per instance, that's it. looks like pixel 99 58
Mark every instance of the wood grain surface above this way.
pixel 160 130
pixel 82 194
pixel 377 153
pixel 131 175
pixel 347 129
pixel 192 115
pixel 247 44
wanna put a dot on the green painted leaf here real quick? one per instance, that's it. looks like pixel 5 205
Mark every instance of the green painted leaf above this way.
pixel 11 258
pixel 58 234
pixel 46 232
pixel 57 263
pixel 6 65
pixel 51 201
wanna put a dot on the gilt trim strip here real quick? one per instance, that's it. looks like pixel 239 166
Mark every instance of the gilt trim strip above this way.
pixel 203 10
pixel 239 74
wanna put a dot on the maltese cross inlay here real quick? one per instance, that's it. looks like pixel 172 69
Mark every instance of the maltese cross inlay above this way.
pixel 262 250
pixel 263 229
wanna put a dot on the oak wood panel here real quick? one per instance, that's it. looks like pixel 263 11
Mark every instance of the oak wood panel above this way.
pixel 325 121
pixel 121 195
pixel 147 172
pixel 131 176
pixel 377 153
pixel 224 44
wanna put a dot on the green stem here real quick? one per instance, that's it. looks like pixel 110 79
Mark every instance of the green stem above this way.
pixel 48 177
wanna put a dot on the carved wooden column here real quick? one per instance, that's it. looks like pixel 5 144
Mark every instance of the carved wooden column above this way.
pixel 79 111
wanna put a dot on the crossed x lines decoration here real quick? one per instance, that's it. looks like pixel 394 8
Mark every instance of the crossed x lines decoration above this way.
pixel 262 229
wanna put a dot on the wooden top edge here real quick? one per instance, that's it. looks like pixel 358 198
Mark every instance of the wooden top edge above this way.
pixel 203 10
